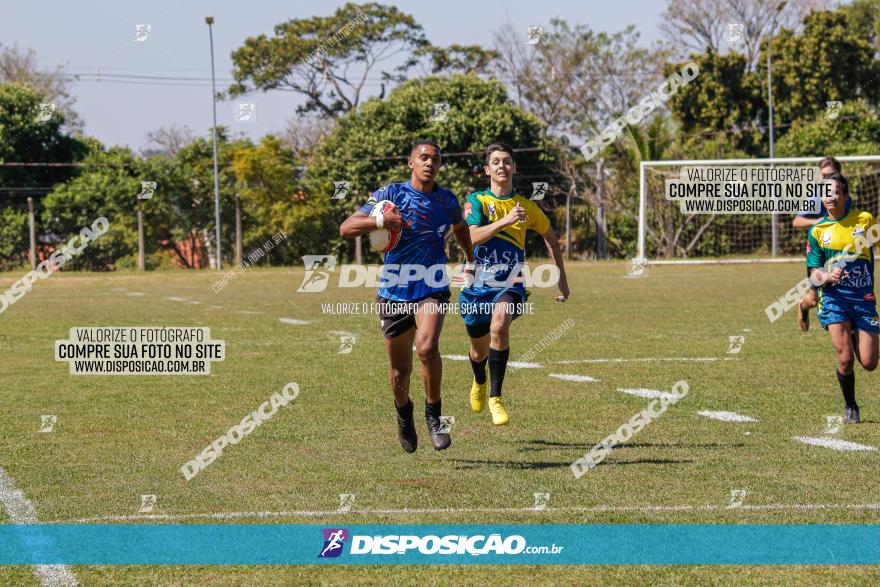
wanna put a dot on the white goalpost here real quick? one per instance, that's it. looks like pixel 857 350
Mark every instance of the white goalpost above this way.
pixel 677 238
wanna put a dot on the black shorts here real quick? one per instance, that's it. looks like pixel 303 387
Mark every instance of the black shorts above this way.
pixel 397 318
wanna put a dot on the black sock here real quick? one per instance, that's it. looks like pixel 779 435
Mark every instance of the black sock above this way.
pixel 433 409
pixel 479 370
pixel 497 366
pixel 405 411
pixel 848 387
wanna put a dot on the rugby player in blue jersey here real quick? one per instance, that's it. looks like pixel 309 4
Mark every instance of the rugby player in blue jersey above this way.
pixel 411 309
pixel 840 258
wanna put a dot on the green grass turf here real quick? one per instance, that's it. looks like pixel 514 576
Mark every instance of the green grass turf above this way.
pixel 118 437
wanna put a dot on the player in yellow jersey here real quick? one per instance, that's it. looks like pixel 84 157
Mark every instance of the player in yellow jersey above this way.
pixel 840 258
pixel 498 221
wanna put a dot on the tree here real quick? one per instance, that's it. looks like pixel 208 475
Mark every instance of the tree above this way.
pixel 107 186
pixel 268 183
pixel 20 66
pixel 724 97
pixel 695 26
pixel 24 138
pixel 369 147
pixel 841 66
pixel 855 131
pixel 575 79
pixel 329 59
pixel 168 140
pixel 458 59
pixel 302 134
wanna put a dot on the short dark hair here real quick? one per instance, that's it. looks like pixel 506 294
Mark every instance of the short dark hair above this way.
pixel 830 162
pixel 842 183
pixel 498 147
pixel 418 144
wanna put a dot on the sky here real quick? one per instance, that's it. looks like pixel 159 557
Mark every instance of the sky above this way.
pixel 96 39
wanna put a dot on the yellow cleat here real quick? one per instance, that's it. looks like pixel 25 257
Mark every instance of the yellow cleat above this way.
pixel 499 414
pixel 478 395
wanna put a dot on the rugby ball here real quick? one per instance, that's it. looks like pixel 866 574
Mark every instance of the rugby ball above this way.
pixel 383 240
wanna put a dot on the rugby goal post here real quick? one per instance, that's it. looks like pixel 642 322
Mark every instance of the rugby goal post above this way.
pixel 666 236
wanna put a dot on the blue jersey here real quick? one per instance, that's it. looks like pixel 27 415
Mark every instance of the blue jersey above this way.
pixel 426 218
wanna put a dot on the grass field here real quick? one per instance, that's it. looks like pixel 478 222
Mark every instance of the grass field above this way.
pixel 119 437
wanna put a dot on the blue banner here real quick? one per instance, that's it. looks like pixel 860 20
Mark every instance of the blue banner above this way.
pixel 609 544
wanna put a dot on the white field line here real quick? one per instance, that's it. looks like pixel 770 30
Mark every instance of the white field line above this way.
pixel 648 393
pixel 417 511
pixel 20 510
pixel 576 378
pixel 647 360
pixel 295 321
pixel 834 443
pixel 727 416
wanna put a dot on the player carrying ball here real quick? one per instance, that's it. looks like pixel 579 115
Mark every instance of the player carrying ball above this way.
pixel 498 221
pixel 841 260
pixel 412 310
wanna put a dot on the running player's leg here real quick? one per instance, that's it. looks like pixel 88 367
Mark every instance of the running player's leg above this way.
pixel 841 338
pixel 429 324
pixel 869 348
pixel 478 353
pixel 400 365
pixel 808 302
pixel 499 353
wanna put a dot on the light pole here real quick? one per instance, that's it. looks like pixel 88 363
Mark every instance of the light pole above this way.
pixel 774 229
pixel 210 21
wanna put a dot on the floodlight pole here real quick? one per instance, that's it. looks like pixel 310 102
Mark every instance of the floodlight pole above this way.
pixel 210 21
pixel 774 229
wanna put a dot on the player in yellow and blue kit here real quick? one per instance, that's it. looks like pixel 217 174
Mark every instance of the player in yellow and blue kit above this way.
pixel 840 258
pixel 498 221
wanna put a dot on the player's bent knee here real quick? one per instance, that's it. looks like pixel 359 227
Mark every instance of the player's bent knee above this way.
pixel 845 364
pixel 500 328
pixel 428 350
pixel 869 364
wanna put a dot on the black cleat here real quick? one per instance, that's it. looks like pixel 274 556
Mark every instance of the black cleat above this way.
pixel 406 428
pixel 439 435
pixel 851 416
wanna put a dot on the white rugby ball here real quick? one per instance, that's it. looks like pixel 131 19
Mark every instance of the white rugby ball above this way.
pixel 383 240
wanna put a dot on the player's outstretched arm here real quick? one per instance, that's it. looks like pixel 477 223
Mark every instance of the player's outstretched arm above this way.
pixel 801 222
pixel 552 242
pixel 360 223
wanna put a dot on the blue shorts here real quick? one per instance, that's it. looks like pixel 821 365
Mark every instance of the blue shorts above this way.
pixel 863 315
pixel 477 306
